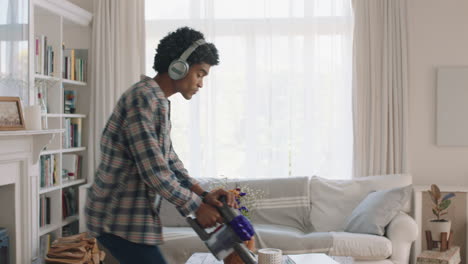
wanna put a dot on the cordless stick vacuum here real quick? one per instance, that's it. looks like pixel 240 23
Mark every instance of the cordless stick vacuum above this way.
pixel 229 236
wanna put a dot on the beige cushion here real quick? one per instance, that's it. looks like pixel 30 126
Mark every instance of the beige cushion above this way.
pixel 291 240
pixel 376 211
pixel 360 246
pixel 332 201
pixel 181 242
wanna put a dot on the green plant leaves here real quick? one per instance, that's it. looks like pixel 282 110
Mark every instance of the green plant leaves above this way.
pixel 438 204
pixel 444 204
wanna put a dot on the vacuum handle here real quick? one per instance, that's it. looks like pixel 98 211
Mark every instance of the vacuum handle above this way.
pixel 245 254
pixel 198 228
pixel 227 213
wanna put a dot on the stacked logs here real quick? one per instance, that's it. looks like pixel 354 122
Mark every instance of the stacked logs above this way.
pixel 76 249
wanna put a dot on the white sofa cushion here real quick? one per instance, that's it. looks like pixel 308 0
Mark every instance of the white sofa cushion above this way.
pixel 374 213
pixel 291 240
pixel 181 242
pixel 360 246
pixel 332 201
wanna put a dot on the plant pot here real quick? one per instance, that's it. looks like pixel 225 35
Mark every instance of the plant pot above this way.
pixel 437 227
pixel 234 258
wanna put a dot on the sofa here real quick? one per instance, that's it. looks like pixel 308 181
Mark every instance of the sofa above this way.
pixel 306 215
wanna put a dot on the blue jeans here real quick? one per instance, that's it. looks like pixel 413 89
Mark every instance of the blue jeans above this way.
pixel 127 252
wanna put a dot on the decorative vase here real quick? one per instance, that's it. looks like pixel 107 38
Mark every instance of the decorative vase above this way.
pixel 437 227
pixel 234 258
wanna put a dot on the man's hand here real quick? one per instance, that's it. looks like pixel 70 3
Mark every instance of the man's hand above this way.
pixel 212 198
pixel 208 216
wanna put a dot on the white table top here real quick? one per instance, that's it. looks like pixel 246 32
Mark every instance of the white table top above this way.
pixel 208 258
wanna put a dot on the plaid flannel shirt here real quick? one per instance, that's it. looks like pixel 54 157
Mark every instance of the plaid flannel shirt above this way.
pixel 137 164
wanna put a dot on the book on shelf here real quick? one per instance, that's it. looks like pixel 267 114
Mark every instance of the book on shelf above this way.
pixel 44 56
pixel 69 99
pixel 48 173
pixel 75 64
pixel 71 167
pixel 69 202
pixel 44 210
pixel 77 129
pixel 72 135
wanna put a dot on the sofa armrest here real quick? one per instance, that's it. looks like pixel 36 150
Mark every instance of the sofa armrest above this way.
pixel 402 232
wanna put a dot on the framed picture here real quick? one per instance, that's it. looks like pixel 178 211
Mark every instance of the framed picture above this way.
pixel 11 113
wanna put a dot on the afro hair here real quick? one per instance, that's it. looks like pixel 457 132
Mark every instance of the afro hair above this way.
pixel 175 43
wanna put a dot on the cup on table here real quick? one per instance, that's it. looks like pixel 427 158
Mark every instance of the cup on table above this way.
pixel 270 256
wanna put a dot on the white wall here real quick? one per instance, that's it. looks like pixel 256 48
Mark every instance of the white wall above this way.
pixel 437 36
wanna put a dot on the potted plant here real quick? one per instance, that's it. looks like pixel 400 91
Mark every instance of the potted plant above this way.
pixel 439 208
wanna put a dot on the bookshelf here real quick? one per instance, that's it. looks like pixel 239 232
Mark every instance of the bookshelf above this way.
pixel 60 36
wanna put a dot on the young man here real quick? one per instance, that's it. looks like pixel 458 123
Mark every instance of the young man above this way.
pixel 138 163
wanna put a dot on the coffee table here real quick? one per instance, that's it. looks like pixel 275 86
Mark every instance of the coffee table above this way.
pixel 208 258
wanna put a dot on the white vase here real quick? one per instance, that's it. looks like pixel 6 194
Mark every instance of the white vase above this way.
pixel 437 228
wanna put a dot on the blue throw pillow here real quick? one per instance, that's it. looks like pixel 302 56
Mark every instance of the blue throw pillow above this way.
pixel 376 211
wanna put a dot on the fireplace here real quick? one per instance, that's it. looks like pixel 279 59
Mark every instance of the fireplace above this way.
pixel 19 152
pixel 11 207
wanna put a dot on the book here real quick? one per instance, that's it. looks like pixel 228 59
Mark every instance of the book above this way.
pixel 74 61
pixel 47 218
pixel 76 132
pixel 69 203
pixel 69 99
pixel 48 172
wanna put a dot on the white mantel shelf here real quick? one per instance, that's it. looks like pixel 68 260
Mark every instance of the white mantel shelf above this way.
pixel 41 138
pixel 30 132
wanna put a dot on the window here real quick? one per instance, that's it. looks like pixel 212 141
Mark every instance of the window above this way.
pixel 14 24
pixel 279 102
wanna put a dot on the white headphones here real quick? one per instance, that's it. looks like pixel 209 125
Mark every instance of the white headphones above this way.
pixel 179 68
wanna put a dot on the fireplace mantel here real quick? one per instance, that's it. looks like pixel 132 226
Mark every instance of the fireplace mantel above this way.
pixel 19 174
pixel 40 139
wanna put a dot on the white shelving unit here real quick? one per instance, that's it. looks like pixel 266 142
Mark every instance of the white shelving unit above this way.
pixel 65 25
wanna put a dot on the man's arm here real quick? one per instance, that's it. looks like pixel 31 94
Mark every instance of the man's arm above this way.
pixel 212 197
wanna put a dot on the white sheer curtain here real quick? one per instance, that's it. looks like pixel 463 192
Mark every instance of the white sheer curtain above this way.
pixel 14 30
pixel 380 92
pixel 117 60
pixel 279 103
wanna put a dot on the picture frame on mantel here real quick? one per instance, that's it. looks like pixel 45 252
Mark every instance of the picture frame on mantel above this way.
pixel 11 113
